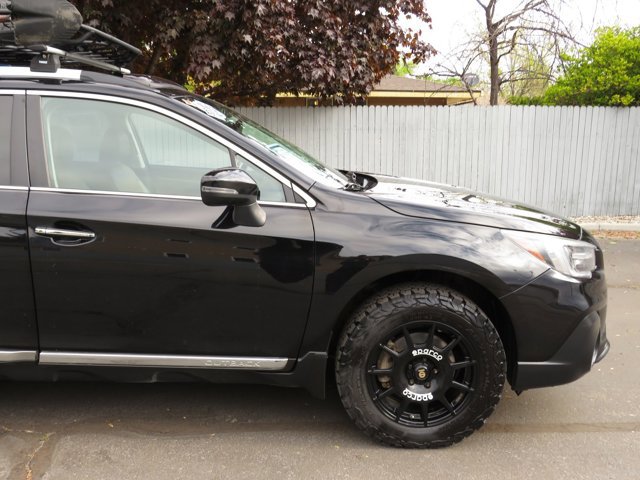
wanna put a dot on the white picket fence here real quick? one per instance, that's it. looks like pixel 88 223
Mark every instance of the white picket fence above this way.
pixel 570 160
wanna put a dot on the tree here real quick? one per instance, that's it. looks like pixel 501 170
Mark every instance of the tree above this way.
pixel 404 68
pixel 530 27
pixel 607 73
pixel 250 50
pixel 529 64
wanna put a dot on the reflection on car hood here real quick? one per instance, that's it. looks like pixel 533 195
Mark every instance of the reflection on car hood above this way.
pixel 416 198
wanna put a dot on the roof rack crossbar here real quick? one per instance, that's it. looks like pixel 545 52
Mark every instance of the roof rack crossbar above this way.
pixel 47 50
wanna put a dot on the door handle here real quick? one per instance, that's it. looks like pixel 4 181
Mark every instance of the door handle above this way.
pixel 60 232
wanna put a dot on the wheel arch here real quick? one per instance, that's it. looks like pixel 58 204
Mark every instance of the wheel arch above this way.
pixel 479 294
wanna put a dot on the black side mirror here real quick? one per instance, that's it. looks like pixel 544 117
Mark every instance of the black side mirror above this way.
pixel 234 188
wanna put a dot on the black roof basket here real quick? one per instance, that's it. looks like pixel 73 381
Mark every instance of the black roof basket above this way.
pixel 46 34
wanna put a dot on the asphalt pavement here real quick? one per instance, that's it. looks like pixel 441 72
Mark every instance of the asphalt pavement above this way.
pixel 589 429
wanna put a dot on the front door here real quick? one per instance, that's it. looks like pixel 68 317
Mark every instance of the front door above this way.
pixel 127 259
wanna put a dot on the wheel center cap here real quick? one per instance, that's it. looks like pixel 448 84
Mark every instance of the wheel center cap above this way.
pixel 421 372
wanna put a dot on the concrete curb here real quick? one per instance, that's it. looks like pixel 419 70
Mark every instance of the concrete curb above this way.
pixel 620 227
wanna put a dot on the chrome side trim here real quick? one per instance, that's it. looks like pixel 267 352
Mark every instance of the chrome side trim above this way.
pixel 196 126
pixel 106 192
pixel 11 187
pixel 18 356
pixel 11 92
pixel 25 72
pixel 146 195
pixel 166 361
pixel 266 203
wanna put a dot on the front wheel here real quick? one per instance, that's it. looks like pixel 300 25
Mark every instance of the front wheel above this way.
pixel 420 366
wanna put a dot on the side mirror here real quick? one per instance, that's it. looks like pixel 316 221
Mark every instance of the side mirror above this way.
pixel 234 188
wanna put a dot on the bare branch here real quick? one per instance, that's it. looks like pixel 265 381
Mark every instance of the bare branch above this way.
pixel 522 47
pixel 507 19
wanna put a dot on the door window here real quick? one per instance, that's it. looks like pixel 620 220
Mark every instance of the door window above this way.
pixel 98 145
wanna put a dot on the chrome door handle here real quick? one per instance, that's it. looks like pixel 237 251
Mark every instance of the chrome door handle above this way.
pixel 59 232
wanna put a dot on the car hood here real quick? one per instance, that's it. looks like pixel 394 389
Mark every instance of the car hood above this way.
pixel 437 201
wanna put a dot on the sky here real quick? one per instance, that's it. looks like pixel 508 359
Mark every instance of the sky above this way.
pixel 451 18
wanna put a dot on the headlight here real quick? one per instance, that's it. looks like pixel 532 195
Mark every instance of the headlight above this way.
pixel 572 257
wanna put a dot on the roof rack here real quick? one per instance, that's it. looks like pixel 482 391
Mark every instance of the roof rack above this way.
pixel 25 39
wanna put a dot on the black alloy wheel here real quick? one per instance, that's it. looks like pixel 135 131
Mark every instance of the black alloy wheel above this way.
pixel 420 366
pixel 422 374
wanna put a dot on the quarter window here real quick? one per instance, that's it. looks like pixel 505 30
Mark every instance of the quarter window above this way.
pixel 270 189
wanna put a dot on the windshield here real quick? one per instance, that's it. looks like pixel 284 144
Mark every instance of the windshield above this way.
pixel 293 155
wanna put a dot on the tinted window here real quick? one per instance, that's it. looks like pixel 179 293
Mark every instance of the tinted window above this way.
pixel 5 139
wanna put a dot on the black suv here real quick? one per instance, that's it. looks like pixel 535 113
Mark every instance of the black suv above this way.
pixel 149 234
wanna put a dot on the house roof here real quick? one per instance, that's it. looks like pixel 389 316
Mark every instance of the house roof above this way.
pixel 394 90
pixel 394 83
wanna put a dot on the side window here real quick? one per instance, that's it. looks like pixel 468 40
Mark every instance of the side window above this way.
pixel 5 139
pixel 170 144
pixel 97 145
pixel 271 190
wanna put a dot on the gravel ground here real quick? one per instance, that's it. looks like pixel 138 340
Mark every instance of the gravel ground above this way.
pixel 611 234
pixel 616 235
pixel 604 219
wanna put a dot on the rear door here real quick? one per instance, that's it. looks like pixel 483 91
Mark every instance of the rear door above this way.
pixel 18 335
pixel 128 261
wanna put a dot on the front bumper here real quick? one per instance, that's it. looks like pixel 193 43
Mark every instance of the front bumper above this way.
pixel 559 327
pixel 586 345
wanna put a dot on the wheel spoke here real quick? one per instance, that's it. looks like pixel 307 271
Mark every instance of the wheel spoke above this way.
pixel 432 334
pixel 447 404
pixel 450 345
pixel 380 394
pixel 401 408
pixel 389 350
pixel 407 338
pixel 425 413
pixel 461 386
pixel 380 371
pixel 463 364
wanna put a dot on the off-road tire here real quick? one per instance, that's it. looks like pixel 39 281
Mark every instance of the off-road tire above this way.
pixel 414 305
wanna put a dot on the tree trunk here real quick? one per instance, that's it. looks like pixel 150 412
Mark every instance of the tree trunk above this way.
pixel 494 71
pixel 153 63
